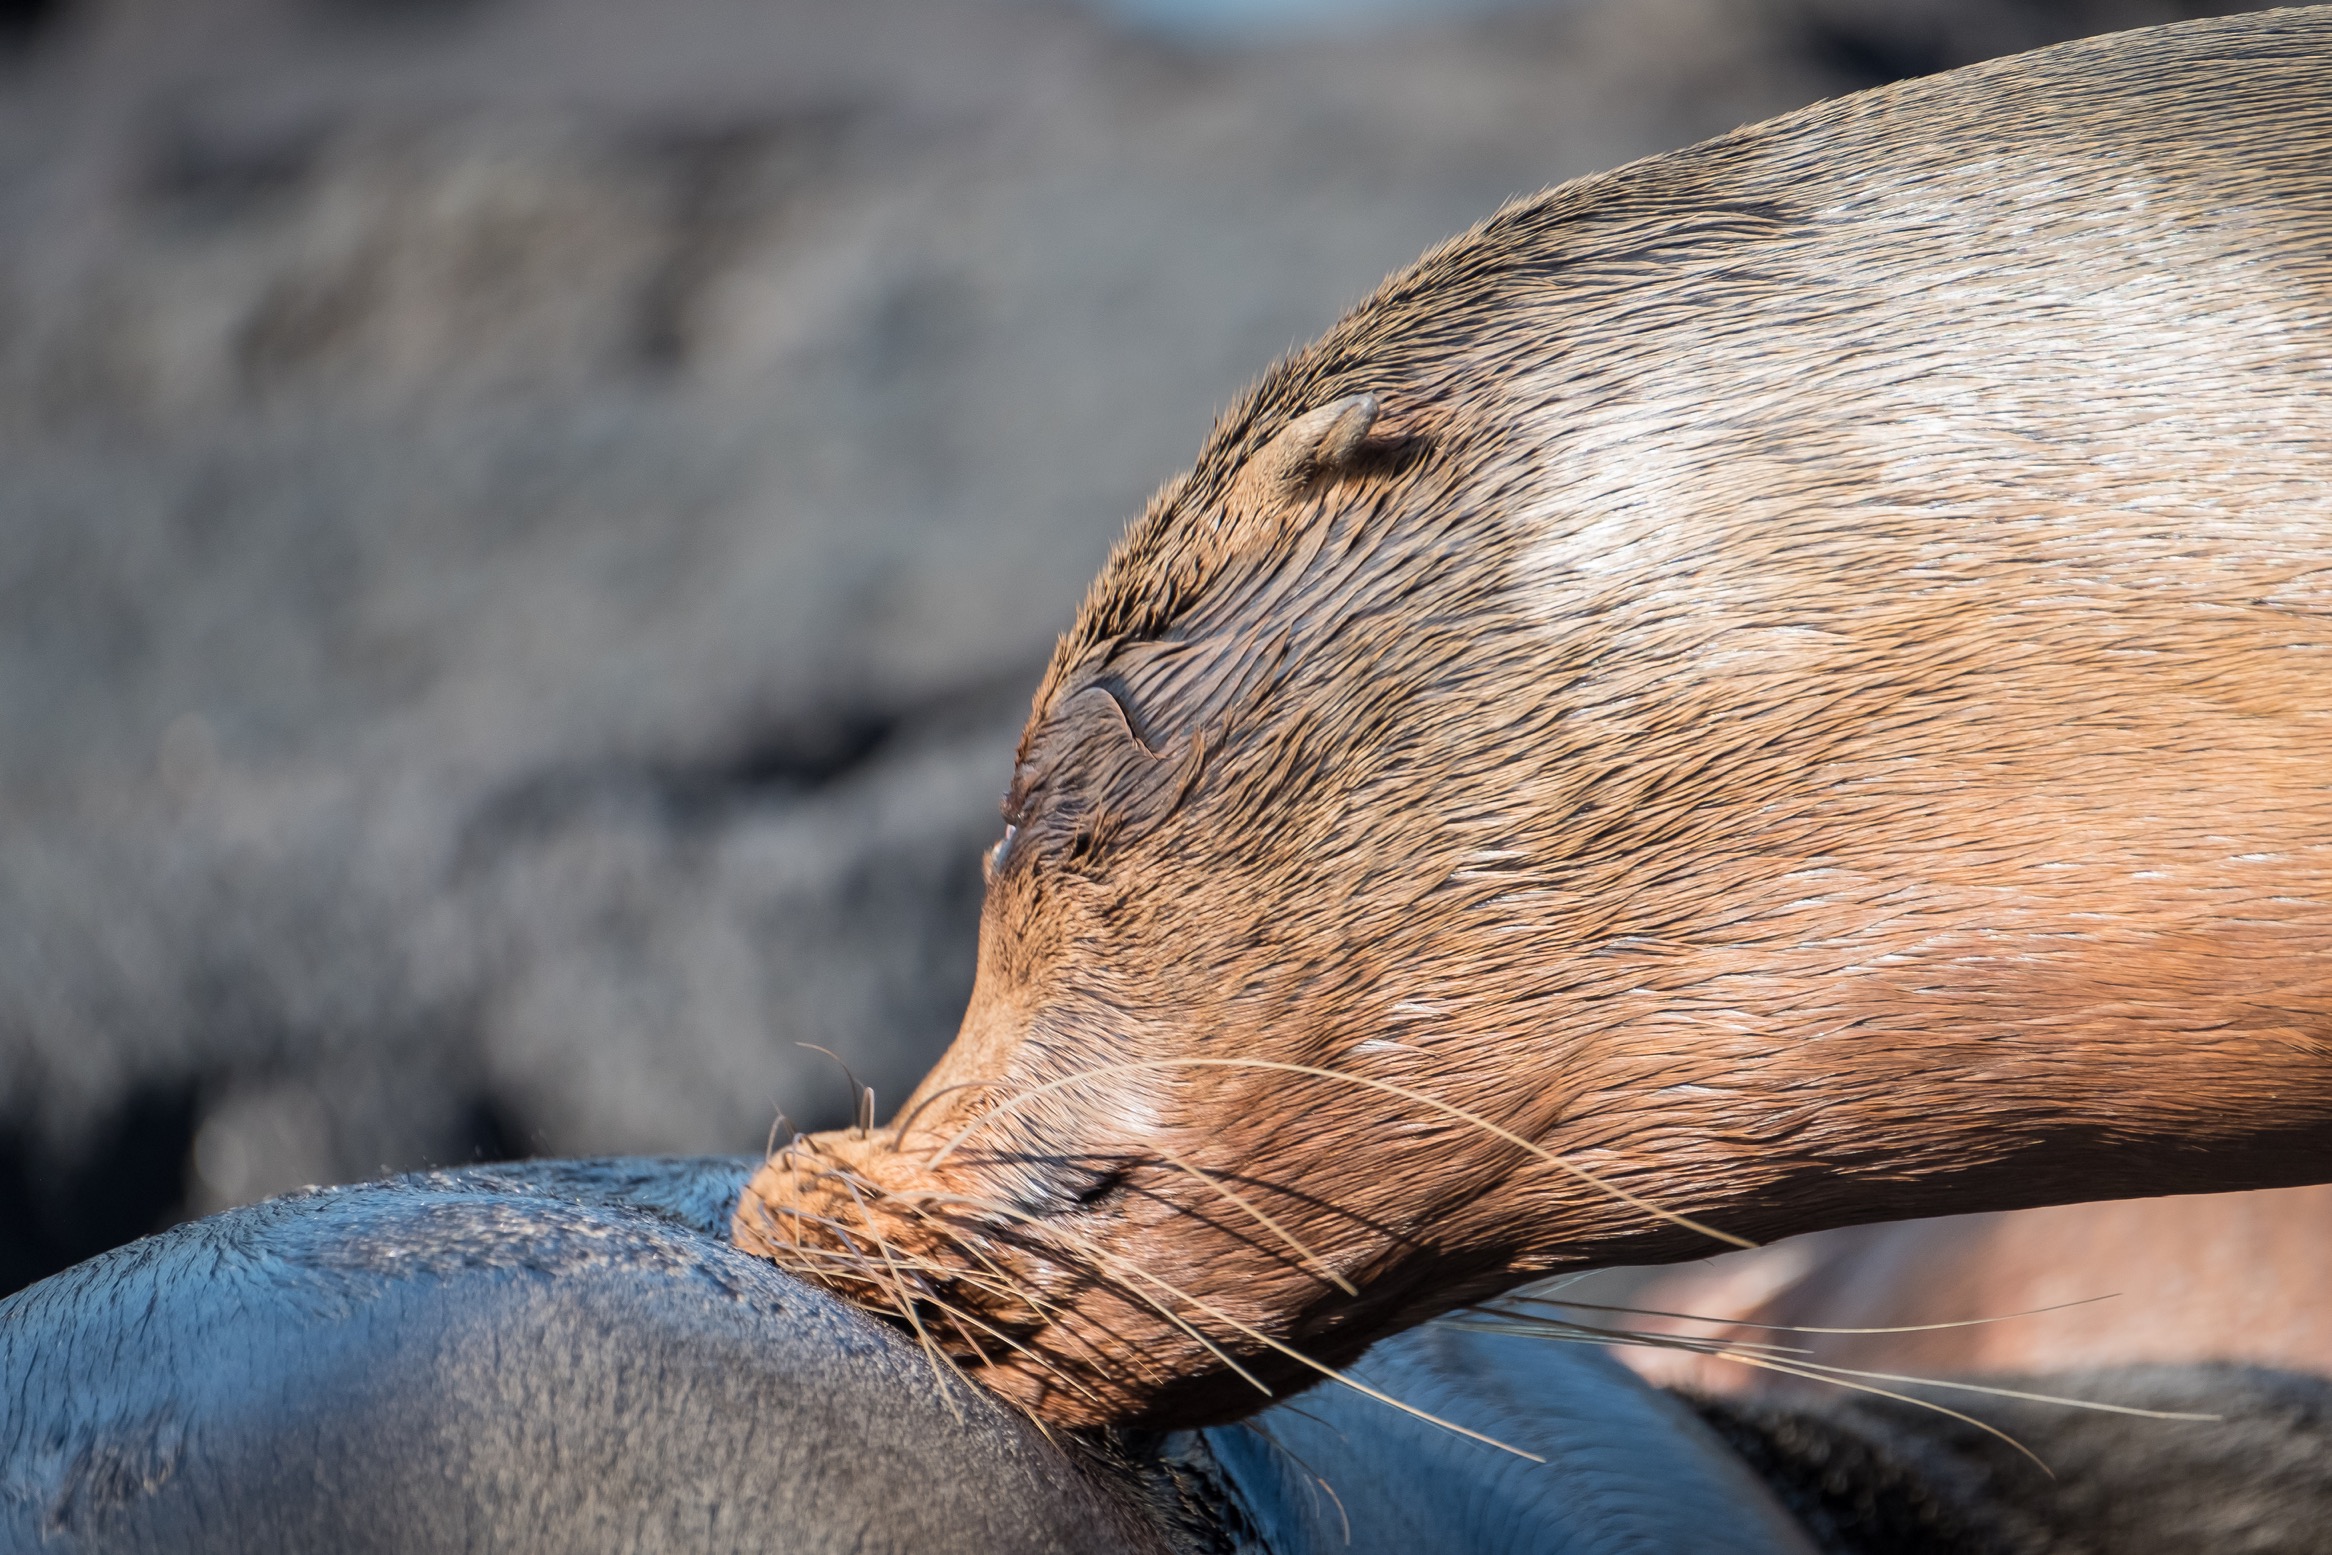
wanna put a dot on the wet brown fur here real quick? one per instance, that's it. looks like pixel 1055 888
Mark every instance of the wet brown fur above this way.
pixel 1808 693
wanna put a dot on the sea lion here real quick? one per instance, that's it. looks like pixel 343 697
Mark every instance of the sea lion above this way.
pixel 1785 685
pixel 568 1357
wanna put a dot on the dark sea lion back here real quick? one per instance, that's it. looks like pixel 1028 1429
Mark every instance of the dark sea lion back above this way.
pixel 527 1359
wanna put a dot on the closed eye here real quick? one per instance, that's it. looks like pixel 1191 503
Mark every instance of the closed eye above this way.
pixel 1102 1189
pixel 1069 1189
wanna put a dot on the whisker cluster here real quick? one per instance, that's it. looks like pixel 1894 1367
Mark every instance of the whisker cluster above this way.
pixel 1540 1316
pixel 945 1270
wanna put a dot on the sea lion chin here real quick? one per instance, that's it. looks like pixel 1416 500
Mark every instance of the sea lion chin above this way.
pixel 1780 686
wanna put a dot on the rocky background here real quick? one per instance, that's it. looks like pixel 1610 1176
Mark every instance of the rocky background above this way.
pixel 528 526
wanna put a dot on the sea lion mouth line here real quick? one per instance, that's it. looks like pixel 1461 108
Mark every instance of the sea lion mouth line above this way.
pixel 1333 1374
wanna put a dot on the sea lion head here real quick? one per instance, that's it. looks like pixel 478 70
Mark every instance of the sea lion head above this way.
pixel 1264 767
pixel 1312 803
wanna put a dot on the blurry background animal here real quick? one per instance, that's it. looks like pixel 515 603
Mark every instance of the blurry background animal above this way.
pixel 2220 1277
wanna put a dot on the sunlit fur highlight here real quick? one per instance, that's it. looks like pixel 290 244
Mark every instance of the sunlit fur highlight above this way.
pixel 1808 697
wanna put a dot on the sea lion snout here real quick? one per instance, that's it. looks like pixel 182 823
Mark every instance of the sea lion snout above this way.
pixel 1034 1267
pixel 1053 1212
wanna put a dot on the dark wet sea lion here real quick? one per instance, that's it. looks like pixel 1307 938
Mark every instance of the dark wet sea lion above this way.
pixel 568 1358
pixel 533 1359
pixel 1788 684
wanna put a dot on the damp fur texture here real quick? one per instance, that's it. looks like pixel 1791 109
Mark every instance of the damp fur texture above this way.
pixel 1795 676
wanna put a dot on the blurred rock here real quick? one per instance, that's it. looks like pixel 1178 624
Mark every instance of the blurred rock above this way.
pixel 530 524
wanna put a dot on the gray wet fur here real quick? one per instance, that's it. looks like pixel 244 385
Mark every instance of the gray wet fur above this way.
pixel 569 1357
pixel 540 1359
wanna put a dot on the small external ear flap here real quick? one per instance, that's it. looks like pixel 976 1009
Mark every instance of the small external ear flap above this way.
pixel 1313 444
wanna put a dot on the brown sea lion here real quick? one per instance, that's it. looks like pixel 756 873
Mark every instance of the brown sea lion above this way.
pixel 1785 685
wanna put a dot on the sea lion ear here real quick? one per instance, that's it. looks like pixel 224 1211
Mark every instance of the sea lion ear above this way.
pixel 1315 443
